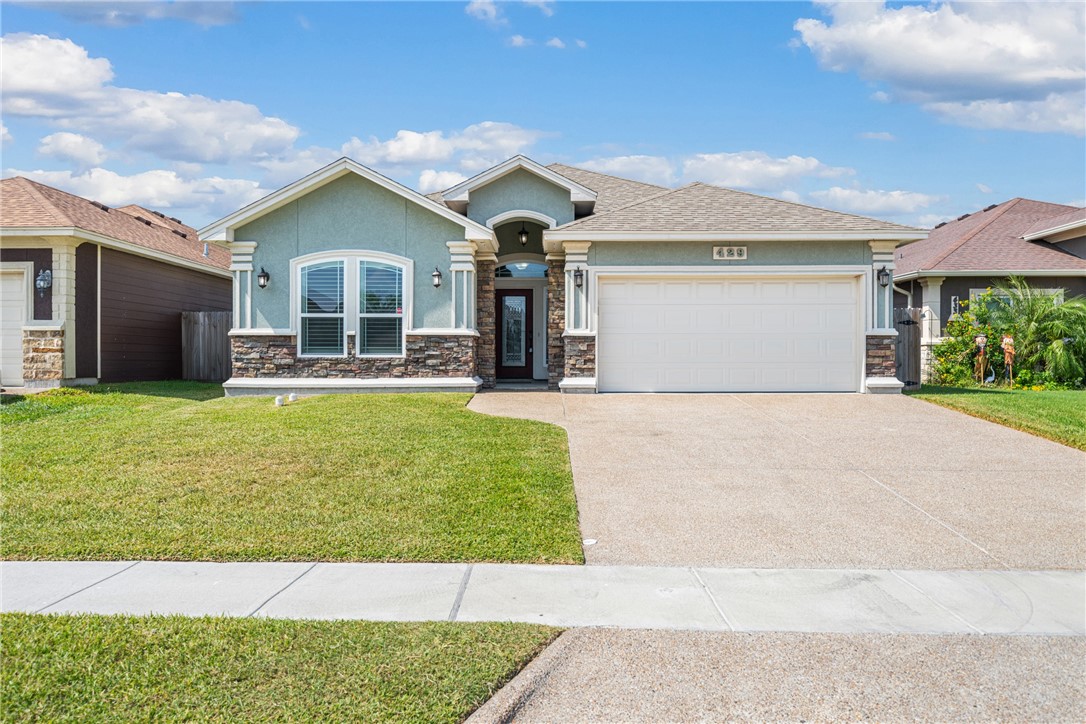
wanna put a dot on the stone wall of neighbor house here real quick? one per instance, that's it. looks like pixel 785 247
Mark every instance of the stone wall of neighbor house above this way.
pixel 880 356
pixel 556 323
pixel 580 357
pixel 485 321
pixel 43 357
pixel 427 356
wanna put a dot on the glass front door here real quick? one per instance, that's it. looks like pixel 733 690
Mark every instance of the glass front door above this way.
pixel 514 338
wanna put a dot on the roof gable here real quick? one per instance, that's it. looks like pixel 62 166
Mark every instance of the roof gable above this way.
pixel 223 229
pixel 613 192
pixel 460 193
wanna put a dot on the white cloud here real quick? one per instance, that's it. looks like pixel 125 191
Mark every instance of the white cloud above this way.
pixel 295 164
pixel 431 180
pixel 56 80
pixel 881 97
pixel 650 169
pixel 555 43
pixel 544 6
pixel 984 188
pixel 789 195
pixel 991 65
pixel 878 136
pixel 755 169
pixel 581 44
pixel 79 150
pixel 5 134
pixel 861 201
pixel 928 221
pixel 519 41
pixel 485 10
pixel 123 14
pixel 482 144
pixel 204 199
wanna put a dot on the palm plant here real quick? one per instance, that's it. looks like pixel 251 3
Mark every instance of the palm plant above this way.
pixel 1049 336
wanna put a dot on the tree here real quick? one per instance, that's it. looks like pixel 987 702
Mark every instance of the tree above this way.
pixel 1049 336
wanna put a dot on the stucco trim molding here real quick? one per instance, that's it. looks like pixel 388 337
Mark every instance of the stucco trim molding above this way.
pixel 521 215
pixel 577 384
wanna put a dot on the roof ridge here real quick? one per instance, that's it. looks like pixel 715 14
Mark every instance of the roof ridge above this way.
pixel 663 193
pixel 608 175
pixel 32 189
pixel 1006 206
pixel 796 203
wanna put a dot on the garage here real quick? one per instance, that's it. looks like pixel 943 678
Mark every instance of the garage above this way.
pixel 13 315
pixel 729 334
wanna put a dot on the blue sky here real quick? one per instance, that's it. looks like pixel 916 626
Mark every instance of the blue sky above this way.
pixel 912 113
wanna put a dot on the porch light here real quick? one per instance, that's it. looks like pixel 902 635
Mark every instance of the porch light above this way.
pixel 884 277
pixel 578 278
pixel 43 282
pixel 263 278
pixel 522 235
pixel 436 276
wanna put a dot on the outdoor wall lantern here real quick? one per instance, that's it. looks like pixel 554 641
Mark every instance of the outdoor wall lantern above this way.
pixel 884 277
pixel 578 278
pixel 436 276
pixel 263 278
pixel 522 235
pixel 43 282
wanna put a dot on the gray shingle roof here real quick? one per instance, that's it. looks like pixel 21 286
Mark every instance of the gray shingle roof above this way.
pixel 613 192
pixel 991 240
pixel 700 207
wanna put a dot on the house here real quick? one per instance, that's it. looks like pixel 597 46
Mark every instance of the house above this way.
pixel 346 280
pixel 1042 242
pixel 92 293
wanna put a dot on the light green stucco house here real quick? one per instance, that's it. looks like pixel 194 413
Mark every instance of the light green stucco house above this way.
pixel 347 281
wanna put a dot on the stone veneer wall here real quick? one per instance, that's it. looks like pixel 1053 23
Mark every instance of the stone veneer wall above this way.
pixel 427 356
pixel 580 355
pixel 485 321
pixel 556 322
pixel 43 357
pixel 881 360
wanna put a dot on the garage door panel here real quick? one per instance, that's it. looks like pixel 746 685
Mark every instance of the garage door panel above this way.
pixel 718 334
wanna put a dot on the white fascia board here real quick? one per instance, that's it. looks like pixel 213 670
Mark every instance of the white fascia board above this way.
pixel 903 237
pixel 1069 226
pixel 222 230
pixel 110 243
pixel 991 273
pixel 462 190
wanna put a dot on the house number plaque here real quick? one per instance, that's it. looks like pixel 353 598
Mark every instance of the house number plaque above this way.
pixel 729 253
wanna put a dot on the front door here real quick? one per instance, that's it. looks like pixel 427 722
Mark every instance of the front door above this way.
pixel 514 338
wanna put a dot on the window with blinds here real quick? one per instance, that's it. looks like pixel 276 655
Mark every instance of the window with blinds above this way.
pixel 380 301
pixel 322 309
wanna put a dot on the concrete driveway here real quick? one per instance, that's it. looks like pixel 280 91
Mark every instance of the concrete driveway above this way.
pixel 811 481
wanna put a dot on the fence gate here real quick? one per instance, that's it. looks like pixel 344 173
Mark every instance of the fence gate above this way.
pixel 907 348
pixel 205 345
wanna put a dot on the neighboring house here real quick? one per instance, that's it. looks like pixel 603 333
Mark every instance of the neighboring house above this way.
pixel 346 280
pixel 1045 243
pixel 92 293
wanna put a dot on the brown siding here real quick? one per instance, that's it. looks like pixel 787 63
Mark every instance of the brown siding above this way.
pixel 43 259
pixel 142 301
pixel 959 287
pixel 86 310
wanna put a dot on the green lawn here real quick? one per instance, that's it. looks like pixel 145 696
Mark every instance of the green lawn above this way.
pixel 1057 415
pixel 173 471
pixel 120 668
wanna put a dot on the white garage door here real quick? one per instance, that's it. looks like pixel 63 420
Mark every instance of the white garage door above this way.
pixel 13 315
pixel 712 334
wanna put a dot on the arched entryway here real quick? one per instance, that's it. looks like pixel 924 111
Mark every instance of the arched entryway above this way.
pixel 520 315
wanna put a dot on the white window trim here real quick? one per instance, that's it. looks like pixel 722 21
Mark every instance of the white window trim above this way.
pixel 351 259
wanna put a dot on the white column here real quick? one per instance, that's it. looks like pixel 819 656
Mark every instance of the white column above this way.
pixel 462 271
pixel 64 298
pixel 577 298
pixel 931 303
pixel 241 265
pixel 882 257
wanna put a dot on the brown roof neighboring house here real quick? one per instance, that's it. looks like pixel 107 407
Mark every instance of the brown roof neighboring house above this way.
pixel 26 204
pixel 1073 219
pixel 991 241
pixel 700 207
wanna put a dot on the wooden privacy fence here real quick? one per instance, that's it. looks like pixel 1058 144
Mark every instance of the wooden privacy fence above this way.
pixel 907 347
pixel 205 345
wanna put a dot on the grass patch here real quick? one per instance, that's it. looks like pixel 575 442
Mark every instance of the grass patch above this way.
pixel 1058 415
pixel 160 471
pixel 121 668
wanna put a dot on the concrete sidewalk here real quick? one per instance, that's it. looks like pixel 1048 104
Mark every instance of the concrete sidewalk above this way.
pixel 699 599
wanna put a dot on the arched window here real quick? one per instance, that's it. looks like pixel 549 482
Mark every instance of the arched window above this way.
pixel 344 295
pixel 521 270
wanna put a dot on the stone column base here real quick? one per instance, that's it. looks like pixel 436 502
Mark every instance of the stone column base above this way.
pixel 43 356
